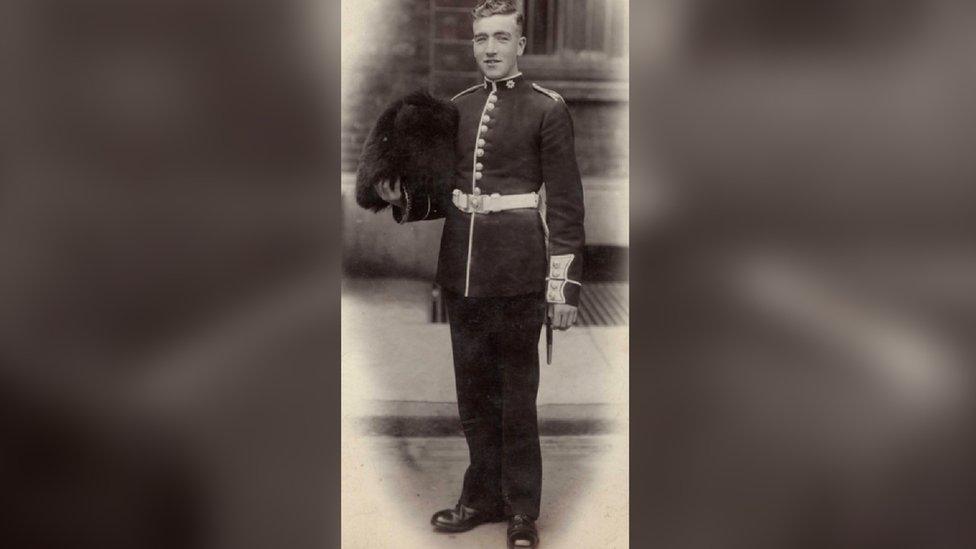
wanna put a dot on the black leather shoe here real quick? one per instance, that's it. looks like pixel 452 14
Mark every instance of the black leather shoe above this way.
pixel 522 532
pixel 461 519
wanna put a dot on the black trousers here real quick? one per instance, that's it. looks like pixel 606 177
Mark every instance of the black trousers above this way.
pixel 496 370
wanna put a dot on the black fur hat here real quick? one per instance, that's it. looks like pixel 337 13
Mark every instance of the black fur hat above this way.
pixel 414 139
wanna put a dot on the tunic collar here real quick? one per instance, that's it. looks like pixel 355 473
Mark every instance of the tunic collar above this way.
pixel 501 84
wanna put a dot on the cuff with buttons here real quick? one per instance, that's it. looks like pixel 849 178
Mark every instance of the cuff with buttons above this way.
pixel 559 287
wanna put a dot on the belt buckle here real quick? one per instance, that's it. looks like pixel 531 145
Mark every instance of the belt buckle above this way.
pixel 476 203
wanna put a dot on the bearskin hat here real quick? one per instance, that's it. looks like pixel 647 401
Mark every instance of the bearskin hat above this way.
pixel 413 140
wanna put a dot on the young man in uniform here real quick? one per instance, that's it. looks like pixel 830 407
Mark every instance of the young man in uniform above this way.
pixel 504 266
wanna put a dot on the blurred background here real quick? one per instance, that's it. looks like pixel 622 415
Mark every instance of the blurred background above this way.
pixel 809 286
pixel 167 281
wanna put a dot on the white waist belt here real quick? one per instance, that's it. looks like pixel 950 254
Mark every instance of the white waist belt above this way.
pixel 486 203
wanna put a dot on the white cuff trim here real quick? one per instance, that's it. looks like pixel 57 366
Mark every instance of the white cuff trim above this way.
pixel 559 266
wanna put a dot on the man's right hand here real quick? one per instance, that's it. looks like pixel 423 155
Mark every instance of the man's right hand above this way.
pixel 391 192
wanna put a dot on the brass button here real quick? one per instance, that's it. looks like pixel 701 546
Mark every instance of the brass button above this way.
pixel 478 175
pixel 481 142
pixel 479 152
pixel 485 118
pixel 479 166
pixel 484 128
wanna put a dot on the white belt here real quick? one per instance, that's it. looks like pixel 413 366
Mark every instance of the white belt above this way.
pixel 486 203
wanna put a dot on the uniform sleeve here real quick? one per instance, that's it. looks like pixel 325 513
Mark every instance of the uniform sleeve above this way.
pixel 564 207
pixel 420 207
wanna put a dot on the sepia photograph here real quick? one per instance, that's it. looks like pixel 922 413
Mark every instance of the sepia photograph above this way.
pixel 485 291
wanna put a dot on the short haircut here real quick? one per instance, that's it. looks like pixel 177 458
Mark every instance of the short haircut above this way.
pixel 487 8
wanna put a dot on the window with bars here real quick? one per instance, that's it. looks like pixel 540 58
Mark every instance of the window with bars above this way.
pixel 570 34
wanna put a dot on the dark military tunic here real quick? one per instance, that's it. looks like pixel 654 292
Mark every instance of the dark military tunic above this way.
pixel 513 138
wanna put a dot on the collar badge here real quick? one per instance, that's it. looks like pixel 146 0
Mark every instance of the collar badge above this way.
pixel 510 84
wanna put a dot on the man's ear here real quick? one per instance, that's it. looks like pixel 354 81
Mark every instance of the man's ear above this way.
pixel 521 44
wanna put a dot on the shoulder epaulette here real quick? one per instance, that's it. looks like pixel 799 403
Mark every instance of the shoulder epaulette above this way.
pixel 469 90
pixel 553 95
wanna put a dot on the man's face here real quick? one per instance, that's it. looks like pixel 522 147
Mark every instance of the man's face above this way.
pixel 497 45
